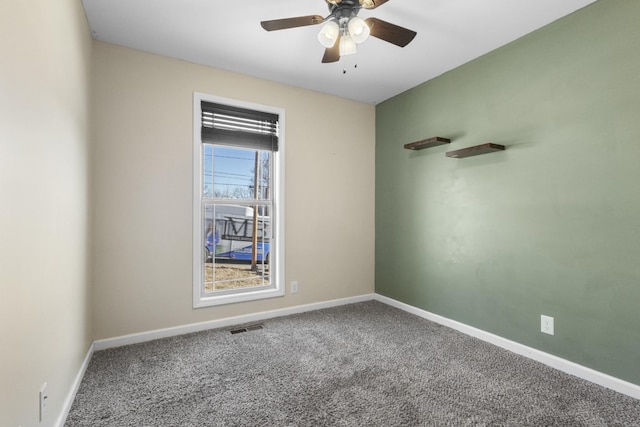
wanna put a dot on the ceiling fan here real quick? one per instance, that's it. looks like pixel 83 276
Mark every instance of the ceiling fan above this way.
pixel 344 29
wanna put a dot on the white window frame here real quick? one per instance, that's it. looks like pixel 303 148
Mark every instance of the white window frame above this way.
pixel 277 288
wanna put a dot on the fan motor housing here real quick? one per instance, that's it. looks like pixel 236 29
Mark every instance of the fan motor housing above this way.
pixel 344 9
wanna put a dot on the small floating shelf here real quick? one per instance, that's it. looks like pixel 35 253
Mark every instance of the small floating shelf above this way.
pixel 427 143
pixel 475 150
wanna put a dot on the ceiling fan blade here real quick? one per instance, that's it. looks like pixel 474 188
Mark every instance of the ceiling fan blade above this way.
pixel 332 54
pixel 389 32
pixel 372 4
pixel 299 21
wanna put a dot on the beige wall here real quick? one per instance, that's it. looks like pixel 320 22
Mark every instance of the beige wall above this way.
pixel 44 86
pixel 137 182
pixel 142 187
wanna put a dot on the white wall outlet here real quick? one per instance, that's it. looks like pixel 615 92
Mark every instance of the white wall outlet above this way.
pixel 294 287
pixel 546 324
pixel 44 397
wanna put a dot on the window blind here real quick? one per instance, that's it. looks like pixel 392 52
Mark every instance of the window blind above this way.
pixel 239 127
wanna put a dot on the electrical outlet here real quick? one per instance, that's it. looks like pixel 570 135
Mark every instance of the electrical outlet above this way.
pixel 546 324
pixel 44 396
pixel 294 287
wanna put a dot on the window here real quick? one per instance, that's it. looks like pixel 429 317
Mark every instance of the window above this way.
pixel 238 201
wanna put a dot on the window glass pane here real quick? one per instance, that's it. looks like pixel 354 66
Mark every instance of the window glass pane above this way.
pixel 207 170
pixel 236 259
pixel 235 172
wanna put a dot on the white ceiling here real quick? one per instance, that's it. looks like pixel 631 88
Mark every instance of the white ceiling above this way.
pixel 226 34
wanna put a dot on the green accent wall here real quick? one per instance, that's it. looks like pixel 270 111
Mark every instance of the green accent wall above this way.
pixel 551 225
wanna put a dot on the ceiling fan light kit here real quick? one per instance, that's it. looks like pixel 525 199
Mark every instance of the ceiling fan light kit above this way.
pixel 344 29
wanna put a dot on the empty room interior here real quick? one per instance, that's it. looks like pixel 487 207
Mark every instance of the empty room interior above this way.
pixel 496 195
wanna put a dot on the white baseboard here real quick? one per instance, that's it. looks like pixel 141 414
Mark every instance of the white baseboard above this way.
pixel 556 362
pixel 71 396
pixel 222 323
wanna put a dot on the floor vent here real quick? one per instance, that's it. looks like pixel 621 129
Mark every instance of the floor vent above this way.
pixel 247 328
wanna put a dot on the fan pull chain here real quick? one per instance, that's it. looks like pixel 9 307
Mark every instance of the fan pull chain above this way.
pixel 345 66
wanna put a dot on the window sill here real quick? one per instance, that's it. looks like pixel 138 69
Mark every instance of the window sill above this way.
pixel 213 300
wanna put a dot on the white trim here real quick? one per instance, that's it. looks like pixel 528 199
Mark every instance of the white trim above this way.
pixel 277 288
pixel 196 254
pixel 556 362
pixel 71 396
pixel 223 323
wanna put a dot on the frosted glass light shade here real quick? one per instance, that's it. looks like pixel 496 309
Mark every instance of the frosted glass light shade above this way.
pixel 358 29
pixel 347 45
pixel 329 34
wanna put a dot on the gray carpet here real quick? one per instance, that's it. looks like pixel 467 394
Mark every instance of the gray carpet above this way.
pixel 364 364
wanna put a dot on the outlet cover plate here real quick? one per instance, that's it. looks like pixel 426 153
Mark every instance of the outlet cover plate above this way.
pixel 546 324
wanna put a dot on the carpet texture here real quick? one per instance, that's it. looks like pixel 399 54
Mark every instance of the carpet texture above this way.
pixel 364 364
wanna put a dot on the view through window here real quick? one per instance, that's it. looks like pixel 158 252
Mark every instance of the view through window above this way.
pixel 237 218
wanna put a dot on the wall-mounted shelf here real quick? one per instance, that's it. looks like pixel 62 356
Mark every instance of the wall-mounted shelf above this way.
pixel 427 143
pixel 475 150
